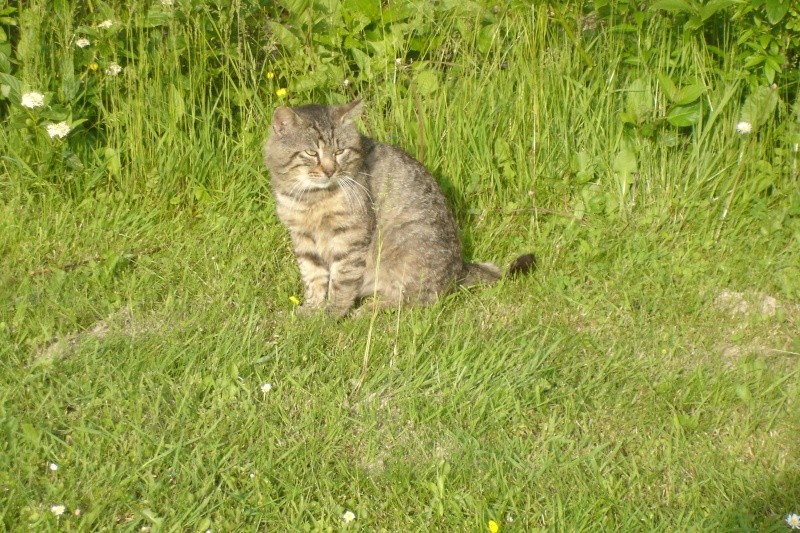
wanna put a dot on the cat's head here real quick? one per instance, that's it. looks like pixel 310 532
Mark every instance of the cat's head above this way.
pixel 313 146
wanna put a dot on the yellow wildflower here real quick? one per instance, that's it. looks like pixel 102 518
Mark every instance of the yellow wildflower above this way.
pixel 270 75
pixel 295 300
pixel 493 526
pixel 280 93
pixel 94 66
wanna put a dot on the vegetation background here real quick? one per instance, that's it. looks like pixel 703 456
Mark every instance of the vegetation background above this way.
pixel 153 374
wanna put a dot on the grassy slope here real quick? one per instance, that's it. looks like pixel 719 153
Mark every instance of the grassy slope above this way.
pixel 610 391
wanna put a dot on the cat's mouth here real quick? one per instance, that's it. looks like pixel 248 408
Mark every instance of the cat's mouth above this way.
pixel 321 182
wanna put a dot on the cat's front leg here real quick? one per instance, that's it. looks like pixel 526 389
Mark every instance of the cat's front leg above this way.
pixel 346 277
pixel 315 276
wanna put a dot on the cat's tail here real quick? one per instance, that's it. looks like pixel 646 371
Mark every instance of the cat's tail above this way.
pixel 483 273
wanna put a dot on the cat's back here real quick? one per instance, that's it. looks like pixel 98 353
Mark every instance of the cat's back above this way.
pixel 412 215
pixel 402 180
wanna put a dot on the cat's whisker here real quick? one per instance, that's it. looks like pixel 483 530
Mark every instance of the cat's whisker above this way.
pixel 354 199
pixel 349 185
pixel 353 180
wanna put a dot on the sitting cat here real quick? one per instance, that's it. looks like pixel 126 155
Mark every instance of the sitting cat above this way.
pixel 366 219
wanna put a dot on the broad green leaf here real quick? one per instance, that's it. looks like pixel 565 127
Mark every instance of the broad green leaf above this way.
pixel 676 6
pixel 625 162
pixel 759 106
pixel 426 81
pixel 285 38
pixel 295 6
pixel 177 105
pixel 715 6
pixel 370 9
pixel 155 19
pixel 776 9
pixel 687 95
pixel 11 86
pixel 638 100
pixel 684 116
pixel 30 432
pixel 624 167
pixel 397 11
pixel 486 38
pixel 667 86
pixel 363 61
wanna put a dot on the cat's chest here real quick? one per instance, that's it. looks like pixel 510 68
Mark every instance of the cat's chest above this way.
pixel 324 225
pixel 312 214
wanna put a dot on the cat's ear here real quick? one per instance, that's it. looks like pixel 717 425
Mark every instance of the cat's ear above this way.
pixel 285 119
pixel 348 113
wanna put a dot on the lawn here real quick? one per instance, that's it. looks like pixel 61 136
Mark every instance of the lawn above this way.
pixel 154 375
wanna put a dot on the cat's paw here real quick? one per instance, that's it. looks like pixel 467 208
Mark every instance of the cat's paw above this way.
pixel 307 310
pixel 337 312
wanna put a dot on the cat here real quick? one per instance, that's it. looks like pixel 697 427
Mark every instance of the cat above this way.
pixel 365 218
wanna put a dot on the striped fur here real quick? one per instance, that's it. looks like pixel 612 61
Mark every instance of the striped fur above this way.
pixel 365 218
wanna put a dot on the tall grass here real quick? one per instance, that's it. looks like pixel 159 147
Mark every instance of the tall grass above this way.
pixel 645 378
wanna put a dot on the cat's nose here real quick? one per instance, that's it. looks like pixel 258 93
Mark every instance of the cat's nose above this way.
pixel 328 167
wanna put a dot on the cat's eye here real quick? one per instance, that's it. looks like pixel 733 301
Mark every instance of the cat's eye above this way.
pixel 312 153
pixel 338 152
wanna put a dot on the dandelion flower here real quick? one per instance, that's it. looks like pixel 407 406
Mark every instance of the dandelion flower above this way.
pixel 348 516
pixel 744 127
pixel 106 24
pixel 58 510
pixel 82 42
pixel 113 69
pixel 295 300
pixel 52 466
pixel 494 527
pixel 59 130
pixel 270 75
pixel 94 66
pixel 32 100
pixel 793 521
pixel 266 387
pixel 280 93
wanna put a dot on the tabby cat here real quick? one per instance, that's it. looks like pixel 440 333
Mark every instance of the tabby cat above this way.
pixel 365 218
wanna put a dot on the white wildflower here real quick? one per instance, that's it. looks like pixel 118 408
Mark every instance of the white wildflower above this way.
pixel 113 69
pixel 106 24
pixel 348 516
pixel 793 521
pixel 744 127
pixel 52 466
pixel 167 3
pixel 346 82
pixel 59 130
pixel 82 42
pixel 32 100
pixel 77 512
pixel 58 510
pixel 266 387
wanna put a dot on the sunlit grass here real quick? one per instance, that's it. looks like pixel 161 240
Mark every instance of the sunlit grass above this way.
pixel 644 379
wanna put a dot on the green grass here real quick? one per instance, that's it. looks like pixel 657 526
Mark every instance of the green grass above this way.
pixel 634 383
